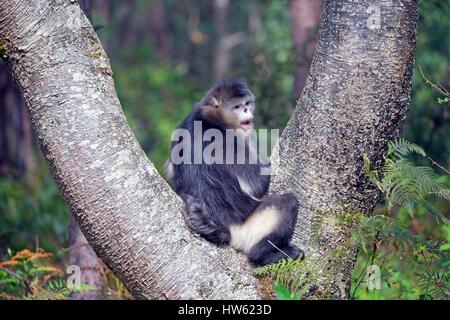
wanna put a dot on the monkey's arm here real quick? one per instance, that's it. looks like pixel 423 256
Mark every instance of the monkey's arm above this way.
pixel 199 223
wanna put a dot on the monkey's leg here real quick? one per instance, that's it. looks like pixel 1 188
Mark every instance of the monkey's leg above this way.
pixel 266 234
pixel 262 254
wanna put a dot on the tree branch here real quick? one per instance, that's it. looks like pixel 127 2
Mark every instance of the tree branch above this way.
pixel 127 212
pixel 354 102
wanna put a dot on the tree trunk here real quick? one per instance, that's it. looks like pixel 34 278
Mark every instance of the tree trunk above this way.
pixel 86 6
pixel 129 214
pixel 353 103
pixel 305 18
pixel 159 29
pixel 16 143
pixel 224 42
pixel 91 267
pixel 80 253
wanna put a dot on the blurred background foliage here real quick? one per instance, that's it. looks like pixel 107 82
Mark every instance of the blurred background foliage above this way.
pixel 165 55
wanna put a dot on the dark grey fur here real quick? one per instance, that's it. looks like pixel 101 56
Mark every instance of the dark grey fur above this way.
pixel 214 199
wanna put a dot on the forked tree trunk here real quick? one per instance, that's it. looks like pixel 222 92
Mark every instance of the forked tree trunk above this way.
pixel 305 18
pixel 129 214
pixel 353 103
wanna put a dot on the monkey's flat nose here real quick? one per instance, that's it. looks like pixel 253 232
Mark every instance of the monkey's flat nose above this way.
pixel 246 109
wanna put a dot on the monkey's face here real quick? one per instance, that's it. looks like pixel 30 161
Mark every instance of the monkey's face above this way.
pixel 239 112
pixel 235 112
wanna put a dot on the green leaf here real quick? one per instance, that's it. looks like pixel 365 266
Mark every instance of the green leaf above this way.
pixel 446 262
pixel 283 293
pixel 443 100
pixel 446 246
pixel 402 148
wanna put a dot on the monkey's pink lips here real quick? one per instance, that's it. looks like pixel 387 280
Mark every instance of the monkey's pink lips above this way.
pixel 246 125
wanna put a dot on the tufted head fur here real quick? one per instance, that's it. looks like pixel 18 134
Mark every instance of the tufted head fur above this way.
pixel 230 102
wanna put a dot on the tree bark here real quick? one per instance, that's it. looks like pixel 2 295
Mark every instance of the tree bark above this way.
pixel 305 18
pixel 129 214
pixel 92 269
pixel 354 102
pixel 80 252
pixel 86 7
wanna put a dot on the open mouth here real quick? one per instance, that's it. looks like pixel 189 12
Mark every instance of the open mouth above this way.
pixel 246 125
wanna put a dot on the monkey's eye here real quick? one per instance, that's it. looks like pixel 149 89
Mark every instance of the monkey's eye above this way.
pixel 247 103
pixel 236 107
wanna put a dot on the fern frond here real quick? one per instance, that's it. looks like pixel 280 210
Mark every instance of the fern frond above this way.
pixel 275 268
pixel 435 212
pixel 401 148
pixel 370 173
pixel 382 228
pixel 435 284
pixel 406 184
pixel 296 275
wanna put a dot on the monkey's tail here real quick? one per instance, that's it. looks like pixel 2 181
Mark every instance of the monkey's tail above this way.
pixel 200 223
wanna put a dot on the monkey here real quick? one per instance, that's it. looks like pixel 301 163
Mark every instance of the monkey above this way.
pixel 228 204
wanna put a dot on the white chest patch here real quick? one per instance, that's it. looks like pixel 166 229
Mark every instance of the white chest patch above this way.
pixel 257 226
